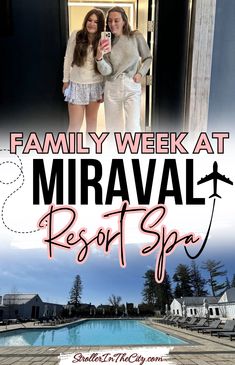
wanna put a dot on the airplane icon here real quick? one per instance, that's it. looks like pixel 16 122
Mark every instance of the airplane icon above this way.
pixel 215 175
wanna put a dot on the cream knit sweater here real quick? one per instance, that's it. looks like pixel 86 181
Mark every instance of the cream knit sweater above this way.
pixel 85 74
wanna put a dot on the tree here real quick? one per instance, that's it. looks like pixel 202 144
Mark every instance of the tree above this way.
pixel 155 294
pixel 76 291
pixel 115 300
pixel 233 282
pixel 164 294
pixel 214 269
pixel 197 282
pixel 177 291
pixel 228 285
pixel 182 277
pixel 149 292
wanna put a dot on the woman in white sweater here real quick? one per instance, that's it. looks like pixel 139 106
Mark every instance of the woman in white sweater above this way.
pixel 124 67
pixel 82 83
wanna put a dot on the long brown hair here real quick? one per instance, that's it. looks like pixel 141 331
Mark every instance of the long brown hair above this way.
pixel 126 28
pixel 82 41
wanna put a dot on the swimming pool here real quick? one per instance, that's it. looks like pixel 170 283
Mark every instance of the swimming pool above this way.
pixel 90 333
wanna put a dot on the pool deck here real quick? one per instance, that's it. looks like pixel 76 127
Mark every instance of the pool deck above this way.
pixel 202 350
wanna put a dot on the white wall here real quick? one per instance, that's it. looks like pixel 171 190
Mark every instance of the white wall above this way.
pixel 176 308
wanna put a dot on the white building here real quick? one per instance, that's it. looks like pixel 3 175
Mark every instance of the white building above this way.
pixel 226 304
pixel 27 306
pixel 193 306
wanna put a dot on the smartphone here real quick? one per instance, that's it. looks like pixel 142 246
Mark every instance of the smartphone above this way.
pixel 107 36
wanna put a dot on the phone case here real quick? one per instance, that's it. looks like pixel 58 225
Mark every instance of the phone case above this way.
pixel 107 35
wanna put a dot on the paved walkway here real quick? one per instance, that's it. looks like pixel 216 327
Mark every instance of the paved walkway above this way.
pixel 205 349
pixel 202 350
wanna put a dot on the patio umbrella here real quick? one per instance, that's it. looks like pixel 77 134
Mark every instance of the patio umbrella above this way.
pixel 54 311
pixel 206 307
pixel 166 308
pixel 45 310
pixel 184 310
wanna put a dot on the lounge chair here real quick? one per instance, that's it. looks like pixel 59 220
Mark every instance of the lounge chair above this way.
pixel 164 319
pixel 228 327
pixel 49 322
pixel 231 334
pixel 174 320
pixel 214 324
pixel 170 319
pixel 179 321
pixel 200 324
pixel 59 320
pixel 225 333
pixel 38 321
pixel 192 321
pixel 5 322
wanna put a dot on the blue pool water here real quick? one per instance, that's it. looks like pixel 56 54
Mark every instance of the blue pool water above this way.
pixel 90 333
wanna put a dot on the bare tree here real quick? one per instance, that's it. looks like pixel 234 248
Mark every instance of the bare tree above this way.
pixel 115 300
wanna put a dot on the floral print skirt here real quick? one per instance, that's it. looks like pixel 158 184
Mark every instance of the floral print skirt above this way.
pixel 83 94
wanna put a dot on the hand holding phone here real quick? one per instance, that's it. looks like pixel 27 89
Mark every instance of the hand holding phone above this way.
pixel 106 42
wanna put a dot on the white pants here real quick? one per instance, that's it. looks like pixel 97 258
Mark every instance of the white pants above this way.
pixel 122 105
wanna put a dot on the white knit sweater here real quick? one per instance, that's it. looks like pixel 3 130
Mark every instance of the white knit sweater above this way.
pixel 85 74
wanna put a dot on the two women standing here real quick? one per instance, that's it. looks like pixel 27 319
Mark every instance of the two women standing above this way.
pixel 123 69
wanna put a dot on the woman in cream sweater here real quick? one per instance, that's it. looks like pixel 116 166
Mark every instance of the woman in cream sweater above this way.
pixel 82 83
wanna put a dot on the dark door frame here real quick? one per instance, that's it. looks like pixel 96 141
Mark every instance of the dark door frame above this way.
pixel 173 21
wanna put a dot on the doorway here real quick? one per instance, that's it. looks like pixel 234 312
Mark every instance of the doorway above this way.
pixel 35 312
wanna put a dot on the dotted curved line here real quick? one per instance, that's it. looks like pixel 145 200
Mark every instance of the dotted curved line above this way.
pixel 15 191
pixel 11 182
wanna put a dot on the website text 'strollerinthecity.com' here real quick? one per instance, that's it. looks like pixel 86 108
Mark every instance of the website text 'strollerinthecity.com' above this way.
pixel 146 356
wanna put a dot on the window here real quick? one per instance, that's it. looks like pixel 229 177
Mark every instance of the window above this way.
pixel 217 311
pixel 211 311
pixel 195 311
pixel 191 311
pixel 177 311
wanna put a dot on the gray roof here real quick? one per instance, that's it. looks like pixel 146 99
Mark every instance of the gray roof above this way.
pixel 18 298
pixel 197 300
pixel 50 304
pixel 228 296
pixel 104 306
